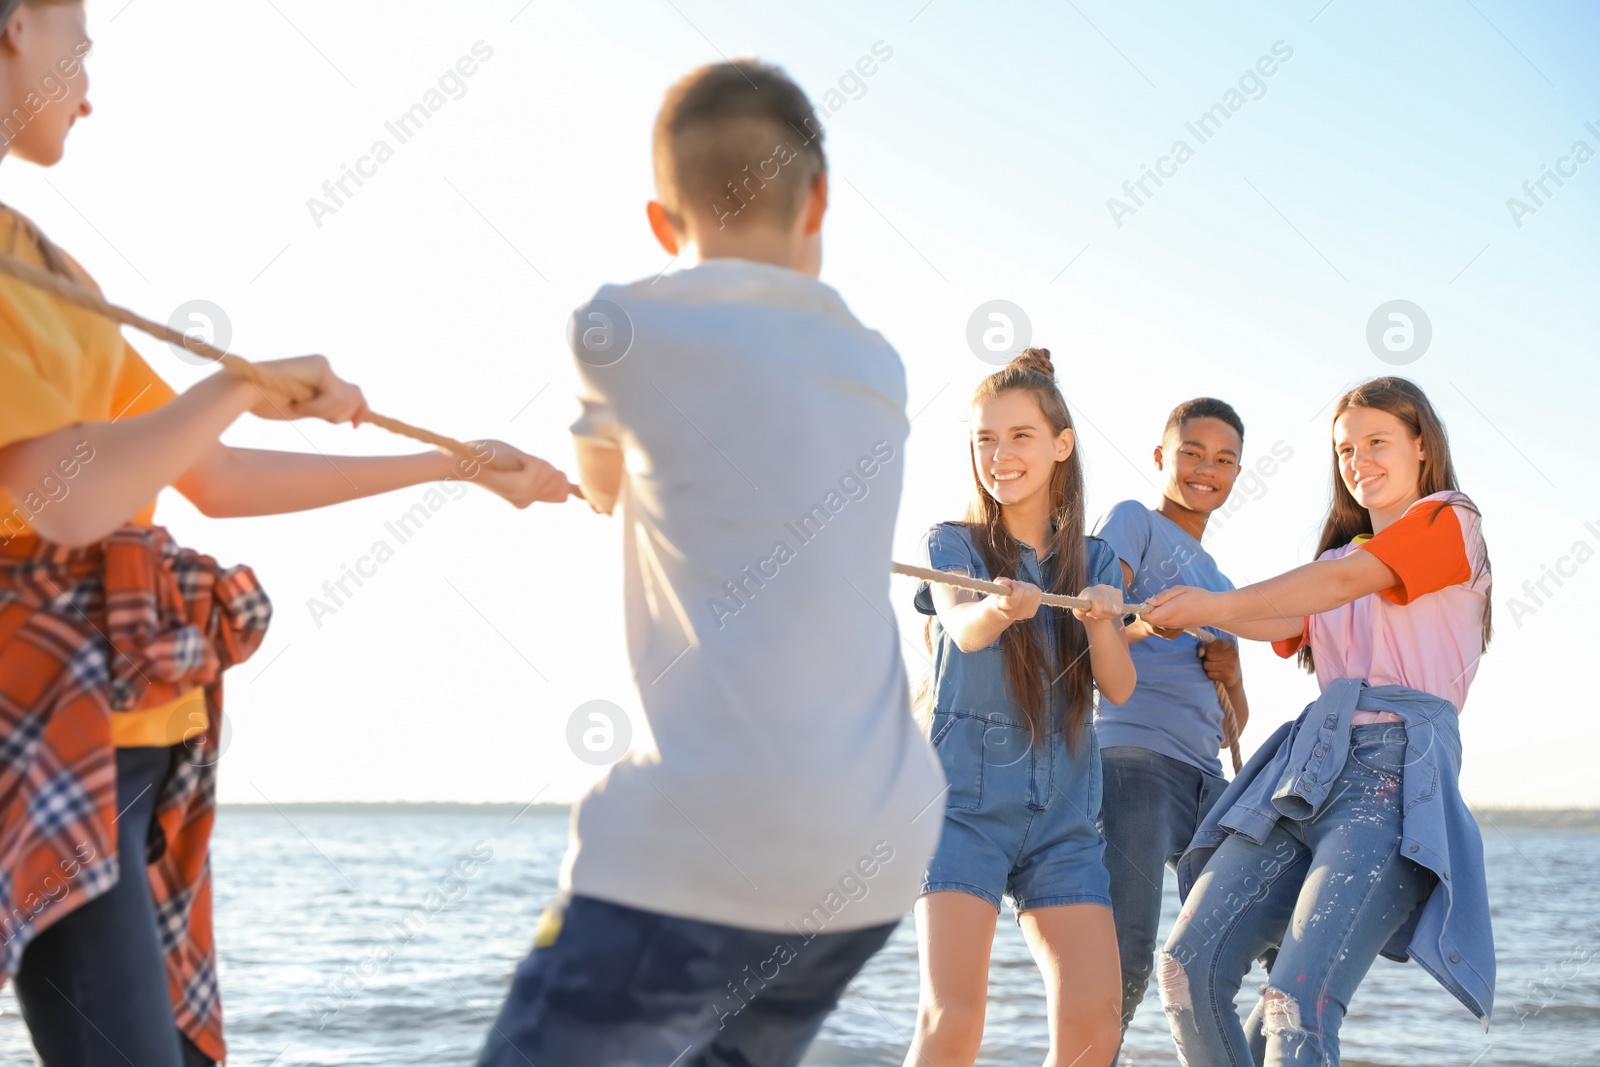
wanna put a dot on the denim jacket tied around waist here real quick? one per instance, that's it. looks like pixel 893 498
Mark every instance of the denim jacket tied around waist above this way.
pixel 1292 776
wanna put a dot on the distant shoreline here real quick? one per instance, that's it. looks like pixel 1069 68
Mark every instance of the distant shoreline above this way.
pixel 1539 818
pixel 1586 819
pixel 405 807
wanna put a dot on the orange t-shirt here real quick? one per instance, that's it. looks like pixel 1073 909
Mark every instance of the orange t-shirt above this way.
pixel 61 365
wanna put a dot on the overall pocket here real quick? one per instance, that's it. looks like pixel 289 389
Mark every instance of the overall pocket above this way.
pixel 958 741
pixel 1096 772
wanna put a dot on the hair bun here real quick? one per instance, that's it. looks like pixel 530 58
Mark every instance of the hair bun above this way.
pixel 1035 359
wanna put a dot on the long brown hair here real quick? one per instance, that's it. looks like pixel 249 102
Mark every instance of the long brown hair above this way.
pixel 1031 673
pixel 1347 519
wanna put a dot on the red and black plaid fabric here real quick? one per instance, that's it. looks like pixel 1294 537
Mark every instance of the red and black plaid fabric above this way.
pixel 132 622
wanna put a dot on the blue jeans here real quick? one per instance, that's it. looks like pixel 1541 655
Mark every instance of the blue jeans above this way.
pixel 630 988
pixel 93 987
pixel 1324 895
pixel 1151 808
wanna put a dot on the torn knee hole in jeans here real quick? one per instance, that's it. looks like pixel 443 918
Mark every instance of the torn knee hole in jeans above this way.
pixel 1280 1013
pixel 1174 984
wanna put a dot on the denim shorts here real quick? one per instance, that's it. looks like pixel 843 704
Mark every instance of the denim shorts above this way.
pixel 1020 819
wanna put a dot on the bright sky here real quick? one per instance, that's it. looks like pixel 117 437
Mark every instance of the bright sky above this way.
pixel 975 163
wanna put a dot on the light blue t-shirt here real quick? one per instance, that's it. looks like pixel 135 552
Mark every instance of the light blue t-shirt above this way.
pixel 1174 709
pixel 764 431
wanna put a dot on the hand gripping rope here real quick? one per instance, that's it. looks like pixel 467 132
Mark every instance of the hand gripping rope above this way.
pixel 1230 727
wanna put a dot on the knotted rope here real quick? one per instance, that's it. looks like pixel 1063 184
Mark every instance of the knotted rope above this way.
pixel 78 296
pixel 1230 727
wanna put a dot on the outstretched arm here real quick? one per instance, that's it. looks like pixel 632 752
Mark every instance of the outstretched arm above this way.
pixel 1264 630
pixel 1276 608
pixel 975 620
pixel 124 464
pixel 235 482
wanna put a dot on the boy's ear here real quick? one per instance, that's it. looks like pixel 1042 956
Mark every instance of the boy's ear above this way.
pixel 1161 458
pixel 661 226
pixel 817 205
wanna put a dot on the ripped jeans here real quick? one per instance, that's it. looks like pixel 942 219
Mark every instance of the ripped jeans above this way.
pixel 1326 894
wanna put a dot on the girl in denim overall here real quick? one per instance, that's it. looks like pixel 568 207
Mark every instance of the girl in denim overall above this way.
pixel 1009 695
pixel 1346 836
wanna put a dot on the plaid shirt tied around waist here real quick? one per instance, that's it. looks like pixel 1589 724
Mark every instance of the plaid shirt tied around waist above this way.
pixel 133 621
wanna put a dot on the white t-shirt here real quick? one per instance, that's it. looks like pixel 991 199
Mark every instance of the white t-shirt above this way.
pixel 788 787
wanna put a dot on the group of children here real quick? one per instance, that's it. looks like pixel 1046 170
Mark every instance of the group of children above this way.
pixel 726 881
pixel 1345 835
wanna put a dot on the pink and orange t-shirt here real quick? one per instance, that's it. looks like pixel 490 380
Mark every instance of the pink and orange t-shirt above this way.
pixel 1426 632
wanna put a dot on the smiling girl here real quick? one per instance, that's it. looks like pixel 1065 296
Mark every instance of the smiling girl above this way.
pixel 1345 836
pixel 1010 696
pixel 112 638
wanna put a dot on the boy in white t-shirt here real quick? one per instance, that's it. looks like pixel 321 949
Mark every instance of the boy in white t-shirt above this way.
pixel 725 882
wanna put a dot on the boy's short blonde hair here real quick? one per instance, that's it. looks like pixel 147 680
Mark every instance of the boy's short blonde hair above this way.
pixel 738 140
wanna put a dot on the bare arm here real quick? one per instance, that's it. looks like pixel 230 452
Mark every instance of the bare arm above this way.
pixel 975 620
pixel 123 464
pixel 1276 608
pixel 1265 630
pixel 126 463
pixel 235 482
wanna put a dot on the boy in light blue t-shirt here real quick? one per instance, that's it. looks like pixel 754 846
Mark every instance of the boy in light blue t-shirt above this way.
pixel 1159 748
pixel 730 875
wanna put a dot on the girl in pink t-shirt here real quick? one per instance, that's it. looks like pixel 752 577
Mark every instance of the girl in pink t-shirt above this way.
pixel 1398 596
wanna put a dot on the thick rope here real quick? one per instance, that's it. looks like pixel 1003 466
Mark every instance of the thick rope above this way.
pixel 1230 718
pixel 1230 727
pixel 977 585
pixel 78 296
